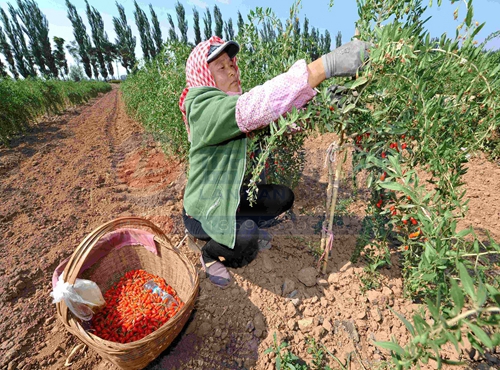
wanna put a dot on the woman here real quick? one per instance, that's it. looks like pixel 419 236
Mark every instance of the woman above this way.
pixel 218 117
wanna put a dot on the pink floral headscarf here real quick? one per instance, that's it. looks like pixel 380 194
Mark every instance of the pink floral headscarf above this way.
pixel 198 74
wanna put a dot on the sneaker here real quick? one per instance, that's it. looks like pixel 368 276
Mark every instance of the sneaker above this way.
pixel 264 240
pixel 217 273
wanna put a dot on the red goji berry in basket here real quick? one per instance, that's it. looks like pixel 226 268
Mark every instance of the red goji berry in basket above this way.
pixel 131 311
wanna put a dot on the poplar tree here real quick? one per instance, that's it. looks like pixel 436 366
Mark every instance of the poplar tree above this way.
pixel 317 51
pixel 37 29
pixel 157 38
pixel 73 50
pixel 125 41
pixel 81 38
pixel 228 29
pixel 60 56
pixel 296 28
pixel 207 22
pixel 327 43
pixel 219 23
pixel 196 26
pixel 15 46
pixel 314 52
pixel 110 54
pixel 182 22
pixel 3 73
pixel 305 31
pixel 28 64
pixel 93 61
pixel 142 22
pixel 97 28
pixel 172 35
pixel 306 40
pixel 279 27
pixel 267 33
pixel 76 73
pixel 338 39
pixel 240 23
pixel 7 52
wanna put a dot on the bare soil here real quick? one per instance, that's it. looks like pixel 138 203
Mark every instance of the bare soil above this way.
pixel 92 164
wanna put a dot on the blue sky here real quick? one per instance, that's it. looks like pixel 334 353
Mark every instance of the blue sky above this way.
pixel 339 18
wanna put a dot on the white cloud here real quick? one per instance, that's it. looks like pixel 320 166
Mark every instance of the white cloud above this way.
pixel 198 3
pixel 224 1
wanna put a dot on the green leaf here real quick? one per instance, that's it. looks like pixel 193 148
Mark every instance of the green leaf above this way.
pixel 494 293
pixel 408 325
pixel 359 81
pixel 394 347
pixel 470 13
pixel 348 108
pixel 433 310
pixel 467 282
pixel 457 296
pixel 430 276
pixel 464 232
pixel 421 325
pixel 452 339
pixel 495 71
pixel 480 334
pixel 476 246
pixel 476 31
pixel 369 180
pixel 482 294
pixel 392 186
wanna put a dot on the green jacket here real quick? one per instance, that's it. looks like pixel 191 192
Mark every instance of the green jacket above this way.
pixel 217 161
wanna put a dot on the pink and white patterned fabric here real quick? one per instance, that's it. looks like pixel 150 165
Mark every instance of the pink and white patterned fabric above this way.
pixel 198 74
pixel 266 103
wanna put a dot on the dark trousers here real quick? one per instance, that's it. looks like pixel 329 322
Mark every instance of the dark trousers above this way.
pixel 272 200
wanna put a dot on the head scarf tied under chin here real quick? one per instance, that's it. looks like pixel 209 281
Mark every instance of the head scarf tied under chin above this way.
pixel 198 74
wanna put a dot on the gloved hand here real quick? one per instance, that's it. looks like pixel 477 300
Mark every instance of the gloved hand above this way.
pixel 346 59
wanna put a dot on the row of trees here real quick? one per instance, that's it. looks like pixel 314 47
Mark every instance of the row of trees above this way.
pixel 25 44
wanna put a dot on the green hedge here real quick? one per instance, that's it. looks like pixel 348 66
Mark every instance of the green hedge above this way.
pixel 24 101
pixel 151 97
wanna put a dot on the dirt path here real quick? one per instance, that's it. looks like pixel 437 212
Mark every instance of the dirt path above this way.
pixel 93 164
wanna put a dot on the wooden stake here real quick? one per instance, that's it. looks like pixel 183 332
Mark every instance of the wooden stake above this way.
pixel 329 192
pixel 338 173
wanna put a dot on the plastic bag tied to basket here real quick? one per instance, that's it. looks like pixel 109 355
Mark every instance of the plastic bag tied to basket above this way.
pixel 84 297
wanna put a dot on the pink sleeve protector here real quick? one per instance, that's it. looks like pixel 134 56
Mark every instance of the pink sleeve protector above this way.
pixel 266 103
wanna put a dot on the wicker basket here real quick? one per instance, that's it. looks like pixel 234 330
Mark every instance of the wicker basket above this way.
pixel 169 264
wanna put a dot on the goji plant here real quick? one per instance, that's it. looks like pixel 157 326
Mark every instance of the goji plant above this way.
pixel 25 101
pixel 420 106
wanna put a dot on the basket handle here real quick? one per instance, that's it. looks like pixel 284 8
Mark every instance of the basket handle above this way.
pixel 82 251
